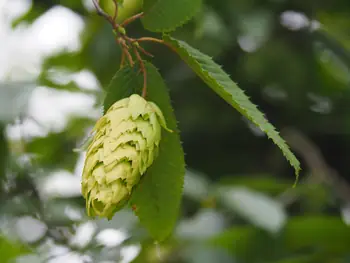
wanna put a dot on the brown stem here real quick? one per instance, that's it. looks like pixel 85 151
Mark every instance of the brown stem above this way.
pixel 126 42
pixel 99 9
pixel 155 40
pixel 133 41
pixel 115 10
pixel 105 15
pixel 144 51
pixel 131 19
pixel 143 70
pixel 151 39
pixel 125 49
pixel 122 61
pixel 128 55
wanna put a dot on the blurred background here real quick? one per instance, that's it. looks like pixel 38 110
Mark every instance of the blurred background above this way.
pixel 291 57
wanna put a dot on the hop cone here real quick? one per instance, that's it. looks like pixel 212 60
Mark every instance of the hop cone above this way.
pixel 125 143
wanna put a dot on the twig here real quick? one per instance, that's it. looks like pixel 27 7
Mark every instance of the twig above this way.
pixel 125 50
pixel 115 10
pixel 131 19
pixel 105 15
pixel 150 39
pixel 128 55
pixel 126 42
pixel 155 40
pixel 122 61
pixel 133 41
pixel 99 9
pixel 143 70
pixel 144 51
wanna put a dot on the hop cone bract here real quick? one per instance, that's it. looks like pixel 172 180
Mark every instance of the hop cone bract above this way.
pixel 125 143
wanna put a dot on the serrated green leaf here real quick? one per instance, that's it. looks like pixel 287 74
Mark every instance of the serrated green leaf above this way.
pixel 167 15
pixel 220 82
pixel 122 85
pixel 156 200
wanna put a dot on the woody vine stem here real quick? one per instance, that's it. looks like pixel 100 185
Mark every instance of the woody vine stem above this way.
pixel 126 43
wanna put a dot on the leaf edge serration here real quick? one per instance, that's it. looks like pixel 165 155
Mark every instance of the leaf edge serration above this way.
pixel 180 47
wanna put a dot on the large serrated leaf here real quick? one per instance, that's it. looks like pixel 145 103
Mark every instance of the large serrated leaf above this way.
pixel 156 199
pixel 220 82
pixel 124 83
pixel 167 15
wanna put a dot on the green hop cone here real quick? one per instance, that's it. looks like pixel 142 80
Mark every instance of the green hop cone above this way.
pixel 125 143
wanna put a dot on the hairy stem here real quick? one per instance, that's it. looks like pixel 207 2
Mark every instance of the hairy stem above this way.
pixel 143 70
pixel 115 10
pixel 126 42
pixel 122 61
pixel 131 19
pixel 150 39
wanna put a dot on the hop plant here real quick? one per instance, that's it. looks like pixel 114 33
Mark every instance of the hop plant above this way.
pixel 125 143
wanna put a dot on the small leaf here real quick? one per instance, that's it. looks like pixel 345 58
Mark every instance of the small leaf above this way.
pixel 167 15
pixel 220 82
pixel 156 199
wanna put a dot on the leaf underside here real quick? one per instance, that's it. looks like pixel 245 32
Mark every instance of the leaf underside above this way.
pixel 156 199
pixel 212 74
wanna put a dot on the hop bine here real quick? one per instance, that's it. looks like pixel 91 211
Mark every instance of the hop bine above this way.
pixel 125 143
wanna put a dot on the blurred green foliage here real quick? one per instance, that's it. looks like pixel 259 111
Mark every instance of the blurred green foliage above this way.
pixel 238 204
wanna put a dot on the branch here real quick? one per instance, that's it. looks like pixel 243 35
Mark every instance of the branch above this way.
pixel 99 9
pixel 115 10
pixel 150 39
pixel 131 19
pixel 143 70
pixel 105 15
